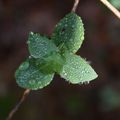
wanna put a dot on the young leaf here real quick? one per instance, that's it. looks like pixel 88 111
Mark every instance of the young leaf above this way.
pixel 30 77
pixel 39 46
pixel 69 33
pixel 77 70
pixel 51 63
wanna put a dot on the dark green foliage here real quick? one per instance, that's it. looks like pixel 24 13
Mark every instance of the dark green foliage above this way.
pixel 56 56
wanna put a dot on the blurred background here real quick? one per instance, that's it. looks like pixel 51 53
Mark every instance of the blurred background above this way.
pixel 99 100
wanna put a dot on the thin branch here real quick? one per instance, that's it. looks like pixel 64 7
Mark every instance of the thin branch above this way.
pixel 25 94
pixel 111 7
pixel 75 5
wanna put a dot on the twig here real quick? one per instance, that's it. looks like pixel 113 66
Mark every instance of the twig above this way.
pixel 25 94
pixel 75 5
pixel 111 7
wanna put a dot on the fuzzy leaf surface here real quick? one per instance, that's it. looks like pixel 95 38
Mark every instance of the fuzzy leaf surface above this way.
pixel 69 33
pixel 77 70
pixel 28 76
pixel 39 46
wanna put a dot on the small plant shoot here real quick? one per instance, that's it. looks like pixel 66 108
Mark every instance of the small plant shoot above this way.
pixel 56 55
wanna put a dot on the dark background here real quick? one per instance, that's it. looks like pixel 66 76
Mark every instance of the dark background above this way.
pixel 99 100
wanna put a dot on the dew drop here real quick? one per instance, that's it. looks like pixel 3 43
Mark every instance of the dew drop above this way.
pixel 83 72
pixel 31 33
pixel 28 42
pixel 24 66
pixel 31 82
pixel 66 25
pixel 82 37
pixel 73 26
pixel 39 82
pixel 30 57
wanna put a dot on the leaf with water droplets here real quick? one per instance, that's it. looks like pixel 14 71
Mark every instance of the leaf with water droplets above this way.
pixel 77 70
pixel 30 77
pixel 52 63
pixel 39 46
pixel 69 33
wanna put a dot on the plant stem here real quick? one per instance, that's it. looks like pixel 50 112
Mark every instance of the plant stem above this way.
pixel 13 111
pixel 111 7
pixel 75 5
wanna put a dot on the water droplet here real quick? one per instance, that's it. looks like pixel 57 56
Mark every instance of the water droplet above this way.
pixel 37 63
pixel 30 57
pixel 82 37
pixel 39 82
pixel 31 33
pixel 73 26
pixel 83 72
pixel 28 42
pixel 66 25
pixel 31 82
pixel 24 66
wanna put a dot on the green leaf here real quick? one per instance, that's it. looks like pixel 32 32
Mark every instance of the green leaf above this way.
pixel 77 70
pixel 52 63
pixel 69 33
pixel 30 77
pixel 116 3
pixel 39 46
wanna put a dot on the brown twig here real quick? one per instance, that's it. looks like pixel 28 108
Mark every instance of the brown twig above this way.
pixel 111 7
pixel 75 5
pixel 25 94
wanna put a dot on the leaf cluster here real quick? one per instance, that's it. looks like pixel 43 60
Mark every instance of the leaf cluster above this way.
pixel 55 55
